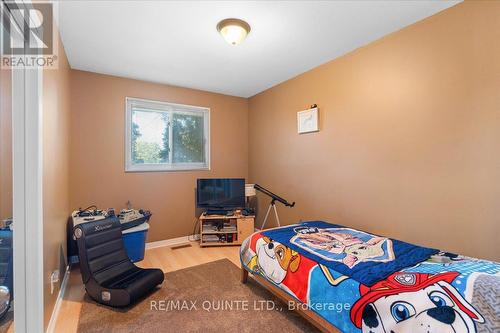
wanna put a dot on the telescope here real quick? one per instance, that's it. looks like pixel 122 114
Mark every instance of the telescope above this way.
pixel 274 197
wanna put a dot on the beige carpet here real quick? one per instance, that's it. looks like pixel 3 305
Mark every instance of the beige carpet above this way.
pixel 221 304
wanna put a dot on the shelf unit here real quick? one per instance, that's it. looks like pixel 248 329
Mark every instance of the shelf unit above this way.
pixel 216 227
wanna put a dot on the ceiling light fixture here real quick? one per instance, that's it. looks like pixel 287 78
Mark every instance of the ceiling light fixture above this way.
pixel 234 31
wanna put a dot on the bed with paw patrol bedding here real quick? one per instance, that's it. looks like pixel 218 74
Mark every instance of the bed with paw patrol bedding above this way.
pixel 360 282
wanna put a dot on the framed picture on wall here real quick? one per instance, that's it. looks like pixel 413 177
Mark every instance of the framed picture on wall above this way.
pixel 307 121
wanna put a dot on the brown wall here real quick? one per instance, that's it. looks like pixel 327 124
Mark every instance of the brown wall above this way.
pixel 410 135
pixel 56 138
pixel 97 150
pixel 5 144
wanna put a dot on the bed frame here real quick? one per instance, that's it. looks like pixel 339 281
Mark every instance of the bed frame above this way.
pixel 309 315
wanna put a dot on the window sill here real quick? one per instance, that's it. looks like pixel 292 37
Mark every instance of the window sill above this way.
pixel 164 168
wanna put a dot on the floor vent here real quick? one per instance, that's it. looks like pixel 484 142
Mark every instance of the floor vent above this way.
pixel 180 246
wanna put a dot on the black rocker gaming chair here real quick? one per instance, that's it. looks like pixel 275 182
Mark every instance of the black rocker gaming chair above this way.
pixel 108 274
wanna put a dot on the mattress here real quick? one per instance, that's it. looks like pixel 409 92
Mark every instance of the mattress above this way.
pixel 446 293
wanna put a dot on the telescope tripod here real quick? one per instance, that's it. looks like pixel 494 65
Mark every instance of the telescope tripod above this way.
pixel 273 206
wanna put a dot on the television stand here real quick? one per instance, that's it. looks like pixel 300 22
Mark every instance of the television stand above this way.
pixel 225 230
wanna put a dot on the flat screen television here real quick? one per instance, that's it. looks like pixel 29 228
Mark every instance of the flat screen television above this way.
pixel 220 193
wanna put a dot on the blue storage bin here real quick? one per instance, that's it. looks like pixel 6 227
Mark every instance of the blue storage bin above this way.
pixel 134 240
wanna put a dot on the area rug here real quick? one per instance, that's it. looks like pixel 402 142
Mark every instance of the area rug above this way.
pixel 204 298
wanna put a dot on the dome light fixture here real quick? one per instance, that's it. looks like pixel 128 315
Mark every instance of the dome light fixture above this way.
pixel 234 31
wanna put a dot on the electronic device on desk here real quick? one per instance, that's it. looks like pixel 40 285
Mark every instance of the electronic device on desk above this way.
pixel 220 196
pixel 88 214
pixel 219 212
pixel 130 218
pixel 248 212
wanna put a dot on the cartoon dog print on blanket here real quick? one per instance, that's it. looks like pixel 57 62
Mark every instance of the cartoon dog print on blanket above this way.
pixel 286 267
pixel 414 302
pixel 275 260
pixel 345 245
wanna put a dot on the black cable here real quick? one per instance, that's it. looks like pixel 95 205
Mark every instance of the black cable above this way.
pixel 88 208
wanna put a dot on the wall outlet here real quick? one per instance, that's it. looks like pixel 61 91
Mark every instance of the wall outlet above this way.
pixel 54 278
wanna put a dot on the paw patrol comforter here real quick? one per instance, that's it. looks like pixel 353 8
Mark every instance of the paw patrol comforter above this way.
pixel 446 293
pixel 362 256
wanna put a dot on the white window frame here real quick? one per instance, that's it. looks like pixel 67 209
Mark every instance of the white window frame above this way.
pixel 166 107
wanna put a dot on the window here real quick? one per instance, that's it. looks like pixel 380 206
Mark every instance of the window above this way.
pixel 164 136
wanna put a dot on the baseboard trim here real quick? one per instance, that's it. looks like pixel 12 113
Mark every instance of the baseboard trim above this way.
pixel 57 307
pixel 171 242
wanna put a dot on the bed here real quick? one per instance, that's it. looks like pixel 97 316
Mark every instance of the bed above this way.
pixel 320 270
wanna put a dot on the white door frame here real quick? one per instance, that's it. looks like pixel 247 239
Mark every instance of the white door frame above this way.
pixel 27 139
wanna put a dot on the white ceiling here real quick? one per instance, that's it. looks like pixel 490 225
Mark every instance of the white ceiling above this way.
pixel 176 42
